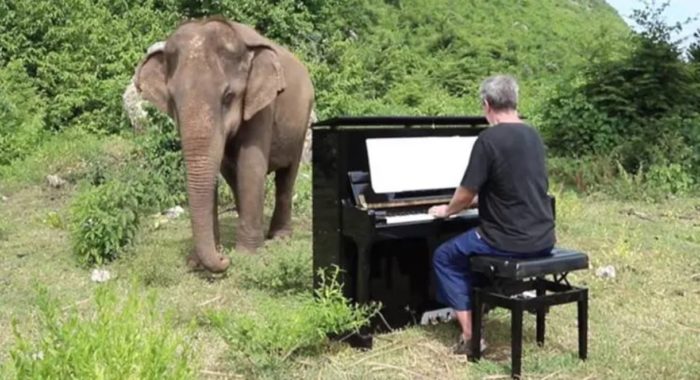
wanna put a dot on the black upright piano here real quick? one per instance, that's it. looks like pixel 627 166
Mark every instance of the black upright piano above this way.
pixel 382 242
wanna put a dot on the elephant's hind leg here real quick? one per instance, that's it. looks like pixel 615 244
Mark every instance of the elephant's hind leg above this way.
pixel 281 223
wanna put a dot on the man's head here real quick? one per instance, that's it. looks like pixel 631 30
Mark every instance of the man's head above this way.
pixel 499 95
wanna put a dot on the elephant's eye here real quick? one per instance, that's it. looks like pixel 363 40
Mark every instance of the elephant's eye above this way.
pixel 228 97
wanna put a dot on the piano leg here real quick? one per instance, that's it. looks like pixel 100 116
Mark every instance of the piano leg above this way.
pixel 363 338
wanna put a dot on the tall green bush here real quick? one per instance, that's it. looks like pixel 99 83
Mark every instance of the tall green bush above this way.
pixel 640 109
pixel 105 218
pixel 21 113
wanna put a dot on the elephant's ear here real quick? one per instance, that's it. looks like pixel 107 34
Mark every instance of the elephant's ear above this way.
pixel 266 76
pixel 150 77
pixel 265 81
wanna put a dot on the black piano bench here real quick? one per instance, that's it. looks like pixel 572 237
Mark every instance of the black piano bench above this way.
pixel 509 279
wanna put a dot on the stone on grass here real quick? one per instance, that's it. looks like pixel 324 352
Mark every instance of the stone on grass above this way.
pixel 174 212
pixel 55 181
pixel 100 275
pixel 607 271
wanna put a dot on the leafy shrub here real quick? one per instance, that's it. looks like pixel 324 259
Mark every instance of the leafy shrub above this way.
pixel 21 114
pixel 125 338
pixel 639 110
pixel 104 221
pixel 585 174
pixel 607 175
pixel 265 341
pixel 105 218
pixel 158 152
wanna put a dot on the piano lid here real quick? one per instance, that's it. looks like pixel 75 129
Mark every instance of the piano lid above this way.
pixel 406 121
pixel 403 164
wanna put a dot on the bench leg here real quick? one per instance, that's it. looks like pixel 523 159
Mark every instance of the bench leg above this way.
pixel 541 291
pixel 476 326
pixel 516 340
pixel 582 306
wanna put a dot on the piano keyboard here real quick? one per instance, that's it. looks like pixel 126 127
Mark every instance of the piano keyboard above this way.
pixel 424 216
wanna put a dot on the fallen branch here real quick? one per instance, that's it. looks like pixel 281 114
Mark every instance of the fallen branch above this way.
pixel 638 214
pixel 693 329
pixel 209 301
pixel 218 374
pixel 76 304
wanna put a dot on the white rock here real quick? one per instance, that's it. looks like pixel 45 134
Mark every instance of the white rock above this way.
pixel 607 271
pixel 4 198
pixel 174 212
pixel 100 275
pixel 55 181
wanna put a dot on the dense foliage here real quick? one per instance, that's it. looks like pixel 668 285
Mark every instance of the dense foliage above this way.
pixel 106 216
pixel 591 87
pixel 424 56
pixel 640 109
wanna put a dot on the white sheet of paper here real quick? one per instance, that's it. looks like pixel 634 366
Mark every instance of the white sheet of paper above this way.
pixel 418 163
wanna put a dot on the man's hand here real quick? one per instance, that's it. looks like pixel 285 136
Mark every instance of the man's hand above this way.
pixel 439 211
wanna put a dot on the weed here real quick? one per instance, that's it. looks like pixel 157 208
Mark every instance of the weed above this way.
pixel 264 341
pixel 104 221
pixel 124 338
pixel 283 270
pixel 54 220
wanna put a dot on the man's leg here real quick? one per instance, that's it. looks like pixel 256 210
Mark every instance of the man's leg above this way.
pixel 454 279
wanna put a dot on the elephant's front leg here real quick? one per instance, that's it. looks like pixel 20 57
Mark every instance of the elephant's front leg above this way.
pixel 251 168
pixel 281 223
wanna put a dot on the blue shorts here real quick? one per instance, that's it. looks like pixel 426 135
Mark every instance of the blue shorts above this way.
pixel 451 265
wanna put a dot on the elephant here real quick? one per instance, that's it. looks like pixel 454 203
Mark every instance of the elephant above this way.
pixel 242 105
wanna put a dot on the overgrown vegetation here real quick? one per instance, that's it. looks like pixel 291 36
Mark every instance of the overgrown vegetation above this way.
pixel 611 121
pixel 106 216
pixel 636 114
pixel 279 331
pixel 123 338
pixel 21 112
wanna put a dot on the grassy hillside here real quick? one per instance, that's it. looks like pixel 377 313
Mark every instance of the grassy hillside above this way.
pixel 428 57
pixel 409 56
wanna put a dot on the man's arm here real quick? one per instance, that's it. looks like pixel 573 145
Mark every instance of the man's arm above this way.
pixel 461 199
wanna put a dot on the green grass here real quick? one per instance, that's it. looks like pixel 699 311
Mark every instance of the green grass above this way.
pixel 72 155
pixel 643 323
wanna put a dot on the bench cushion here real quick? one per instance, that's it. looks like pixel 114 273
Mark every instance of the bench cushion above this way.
pixel 561 260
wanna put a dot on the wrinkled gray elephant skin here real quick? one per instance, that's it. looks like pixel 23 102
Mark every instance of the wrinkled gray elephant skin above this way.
pixel 242 106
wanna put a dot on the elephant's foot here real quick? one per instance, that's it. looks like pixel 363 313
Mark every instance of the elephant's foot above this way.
pixel 196 264
pixel 279 234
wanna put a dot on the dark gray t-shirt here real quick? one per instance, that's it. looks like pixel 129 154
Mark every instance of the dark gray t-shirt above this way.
pixel 507 168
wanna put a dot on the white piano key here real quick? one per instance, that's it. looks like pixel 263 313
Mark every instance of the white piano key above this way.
pixel 426 217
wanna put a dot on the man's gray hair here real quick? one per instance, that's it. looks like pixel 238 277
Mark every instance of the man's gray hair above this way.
pixel 501 92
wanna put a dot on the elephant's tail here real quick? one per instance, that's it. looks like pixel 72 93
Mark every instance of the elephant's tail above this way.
pixel 306 152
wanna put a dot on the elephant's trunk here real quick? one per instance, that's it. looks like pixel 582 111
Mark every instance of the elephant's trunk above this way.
pixel 203 150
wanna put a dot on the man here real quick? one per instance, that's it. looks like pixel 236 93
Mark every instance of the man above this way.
pixel 508 174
